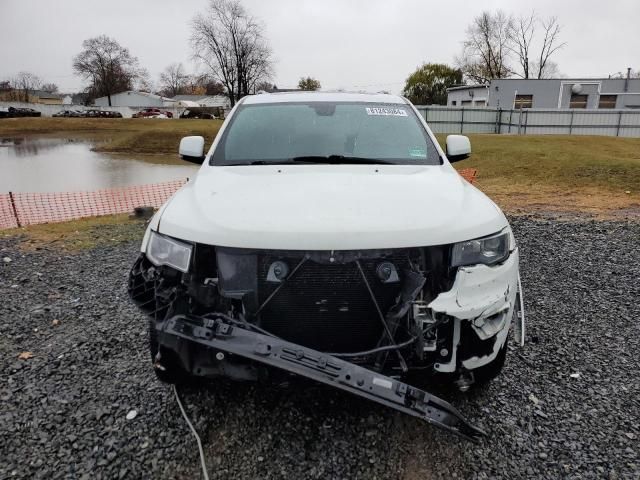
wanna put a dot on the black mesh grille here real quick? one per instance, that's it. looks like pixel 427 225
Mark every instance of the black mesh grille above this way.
pixel 327 306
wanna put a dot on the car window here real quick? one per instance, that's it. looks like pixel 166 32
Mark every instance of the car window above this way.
pixel 283 131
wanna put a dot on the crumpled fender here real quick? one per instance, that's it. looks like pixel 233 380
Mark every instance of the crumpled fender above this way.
pixel 485 296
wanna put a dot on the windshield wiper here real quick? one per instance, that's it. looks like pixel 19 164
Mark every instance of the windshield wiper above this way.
pixel 259 162
pixel 330 159
pixel 337 159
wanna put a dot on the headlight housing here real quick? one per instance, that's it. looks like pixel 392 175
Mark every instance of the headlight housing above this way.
pixel 168 251
pixel 486 251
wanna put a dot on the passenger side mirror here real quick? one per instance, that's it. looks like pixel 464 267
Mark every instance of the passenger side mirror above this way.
pixel 192 149
pixel 458 147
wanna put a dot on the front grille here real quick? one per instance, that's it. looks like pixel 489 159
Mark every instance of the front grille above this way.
pixel 327 306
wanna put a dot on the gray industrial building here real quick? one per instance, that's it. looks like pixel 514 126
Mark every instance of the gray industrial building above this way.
pixel 558 93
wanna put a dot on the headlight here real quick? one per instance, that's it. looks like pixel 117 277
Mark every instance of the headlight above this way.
pixel 163 250
pixel 487 250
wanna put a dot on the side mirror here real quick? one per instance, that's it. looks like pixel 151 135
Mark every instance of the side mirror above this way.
pixel 192 149
pixel 458 147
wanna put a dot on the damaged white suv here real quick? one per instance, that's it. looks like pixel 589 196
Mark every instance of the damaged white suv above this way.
pixel 327 235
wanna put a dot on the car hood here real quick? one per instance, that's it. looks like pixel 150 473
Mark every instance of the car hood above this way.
pixel 328 207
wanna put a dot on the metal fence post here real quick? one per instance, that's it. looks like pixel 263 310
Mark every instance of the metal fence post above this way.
pixel 498 121
pixel 526 120
pixel 571 122
pixel 619 122
pixel 426 114
pixel 519 121
pixel 462 121
pixel 13 208
pixel 510 117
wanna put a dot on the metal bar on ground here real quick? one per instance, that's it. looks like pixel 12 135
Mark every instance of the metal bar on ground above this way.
pixel 320 367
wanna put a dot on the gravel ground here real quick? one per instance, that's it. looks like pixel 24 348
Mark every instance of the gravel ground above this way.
pixel 566 406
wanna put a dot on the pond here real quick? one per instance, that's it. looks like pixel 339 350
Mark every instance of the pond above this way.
pixel 33 164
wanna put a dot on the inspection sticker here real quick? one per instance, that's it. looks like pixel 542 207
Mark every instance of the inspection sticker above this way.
pixel 386 111
pixel 417 152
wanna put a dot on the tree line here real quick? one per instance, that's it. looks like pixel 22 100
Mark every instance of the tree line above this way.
pixel 231 47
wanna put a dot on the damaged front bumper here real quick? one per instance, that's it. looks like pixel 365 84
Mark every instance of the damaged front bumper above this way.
pixel 485 299
pixel 224 337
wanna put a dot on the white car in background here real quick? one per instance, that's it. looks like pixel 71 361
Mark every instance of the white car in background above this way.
pixel 327 235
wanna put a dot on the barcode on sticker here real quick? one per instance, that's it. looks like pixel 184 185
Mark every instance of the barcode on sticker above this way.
pixel 387 111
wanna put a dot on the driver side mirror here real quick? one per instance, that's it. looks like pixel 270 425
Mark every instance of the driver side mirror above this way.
pixel 192 149
pixel 458 147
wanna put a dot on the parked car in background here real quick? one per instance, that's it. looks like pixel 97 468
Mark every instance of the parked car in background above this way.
pixel 68 113
pixel 102 114
pixel 208 113
pixel 111 114
pixel 12 112
pixel 153 113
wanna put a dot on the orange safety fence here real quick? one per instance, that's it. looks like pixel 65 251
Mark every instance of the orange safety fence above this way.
pixel 20 209
pixel 469 174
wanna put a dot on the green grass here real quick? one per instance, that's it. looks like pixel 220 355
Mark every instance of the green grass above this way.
pixel 80 234
pixel 565 162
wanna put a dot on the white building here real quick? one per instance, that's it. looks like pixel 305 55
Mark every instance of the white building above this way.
pixel 134 99
pixel 468 96
pixel 220 101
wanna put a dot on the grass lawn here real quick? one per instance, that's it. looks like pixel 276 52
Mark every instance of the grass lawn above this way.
pixel 600 175
pixel 80 234
pixel 523 174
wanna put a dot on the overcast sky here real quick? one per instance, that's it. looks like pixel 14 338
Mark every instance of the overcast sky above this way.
pixel 351 44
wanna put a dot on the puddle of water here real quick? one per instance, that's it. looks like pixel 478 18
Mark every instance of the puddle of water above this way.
pixel 62 165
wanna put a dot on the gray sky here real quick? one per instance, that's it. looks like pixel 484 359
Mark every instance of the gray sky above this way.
pixel 352 44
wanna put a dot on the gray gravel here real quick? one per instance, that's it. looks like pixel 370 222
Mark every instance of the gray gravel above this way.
pixel 63 411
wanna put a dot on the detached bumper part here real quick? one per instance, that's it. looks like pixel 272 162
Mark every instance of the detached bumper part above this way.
pixel 221 335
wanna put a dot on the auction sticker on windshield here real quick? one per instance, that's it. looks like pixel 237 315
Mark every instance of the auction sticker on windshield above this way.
pixel 386 111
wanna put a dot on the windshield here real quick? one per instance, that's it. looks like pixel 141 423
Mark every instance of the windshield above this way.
pixel 338 132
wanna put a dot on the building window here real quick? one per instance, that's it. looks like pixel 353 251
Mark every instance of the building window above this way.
pixel 607 101
pixel 523 101
pixel 466 103
pixel 578 101
pixel 454 102
pixel 480 103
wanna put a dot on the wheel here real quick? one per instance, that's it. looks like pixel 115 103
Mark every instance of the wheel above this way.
pixel 483 375
pixel 173 372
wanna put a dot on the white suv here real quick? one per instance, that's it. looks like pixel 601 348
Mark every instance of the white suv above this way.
pixel 327 235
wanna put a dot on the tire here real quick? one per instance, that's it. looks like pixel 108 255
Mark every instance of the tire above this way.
pixel 173 372
pixel 483 375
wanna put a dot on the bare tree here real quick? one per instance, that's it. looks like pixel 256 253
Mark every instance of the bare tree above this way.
pixel 522 32
pixel 231 44
pixel 108 66
pixel 173 80
pixel 486 48
pixel 523 43
pixel 49 87
pixel 25 83
pixel 550 44
pixel 266 87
